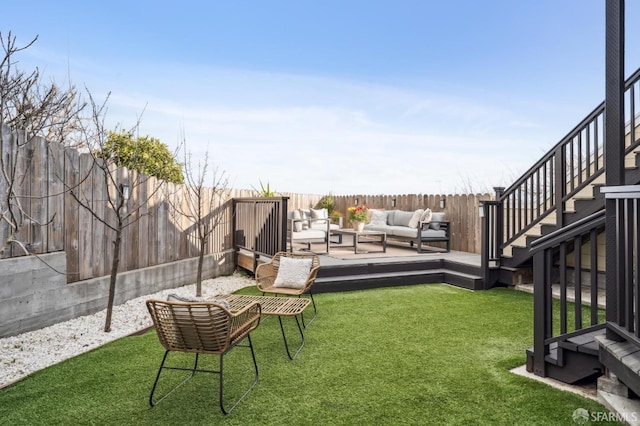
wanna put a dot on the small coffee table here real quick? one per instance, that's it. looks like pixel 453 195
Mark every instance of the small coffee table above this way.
pixel 360 237
pixel 271 305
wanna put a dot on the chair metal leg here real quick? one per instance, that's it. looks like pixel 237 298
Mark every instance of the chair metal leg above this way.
pixel 255 380
pixel 219 372
pixel 286 344
pixel 155 384
pixel 315 312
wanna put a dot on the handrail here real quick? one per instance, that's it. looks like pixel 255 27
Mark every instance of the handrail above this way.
pixel 555 319
pixel 630 81
pixel 571 164
pixel 577 228
pixel 623 290
pixel 561 142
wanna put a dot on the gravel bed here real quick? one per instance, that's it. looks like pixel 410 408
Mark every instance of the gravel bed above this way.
pixel 29 352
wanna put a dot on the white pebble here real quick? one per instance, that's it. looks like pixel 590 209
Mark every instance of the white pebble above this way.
pixel 26 353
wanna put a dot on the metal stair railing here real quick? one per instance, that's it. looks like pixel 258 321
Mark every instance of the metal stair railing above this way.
pixel 623 295
pixel 554 320
pixel 572 164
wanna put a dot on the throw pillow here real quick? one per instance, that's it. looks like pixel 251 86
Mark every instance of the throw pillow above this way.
pixel 319 214
pixel 391 215
pixel 378 217
pixel 177 298
pixel 436 218
pixel 306 215
pixel 426 216
pixel 415 219
pixel 292 273
pixel 189 299
pixel 297 226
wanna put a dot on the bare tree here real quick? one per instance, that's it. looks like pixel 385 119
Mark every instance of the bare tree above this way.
pixel 121 197
pixel 201 204
pixel 29 109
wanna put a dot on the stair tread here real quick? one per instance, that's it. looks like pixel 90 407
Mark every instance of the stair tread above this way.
pixel 586 337
pixel 620 350
pixel 587 347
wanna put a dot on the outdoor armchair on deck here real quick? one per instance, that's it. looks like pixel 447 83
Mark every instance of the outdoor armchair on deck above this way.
pixel 202 328
pixel 290 274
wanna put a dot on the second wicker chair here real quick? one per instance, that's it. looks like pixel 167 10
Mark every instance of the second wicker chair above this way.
pixel 267 273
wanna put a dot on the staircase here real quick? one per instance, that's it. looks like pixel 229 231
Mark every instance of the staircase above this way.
pixel 549 223
pixel 562 188
pixel 586 201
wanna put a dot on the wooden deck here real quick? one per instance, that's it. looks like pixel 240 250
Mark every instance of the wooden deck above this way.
pixel 343 270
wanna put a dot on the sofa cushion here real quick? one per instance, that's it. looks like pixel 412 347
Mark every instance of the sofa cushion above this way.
pixel 402 231
pixel 435 218
pixel 432 233
pixel 378 217
pixel 376 227
pixel 415 219
pixel 309 234
pixel 401 218
pixel 318 224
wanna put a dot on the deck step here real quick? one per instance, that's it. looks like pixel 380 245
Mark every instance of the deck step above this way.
pixel 359 278
pixel 572 359
pixel 622 359
pixel 584 343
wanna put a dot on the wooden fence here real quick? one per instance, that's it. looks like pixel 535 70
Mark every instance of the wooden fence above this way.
pixel 461 210
pixel 54 221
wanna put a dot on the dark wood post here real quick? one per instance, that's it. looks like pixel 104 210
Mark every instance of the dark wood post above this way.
pixel 560 184
pixel 614 150
pixel 540 325
pixel 284 223
pixel 484 245
pixel 491 234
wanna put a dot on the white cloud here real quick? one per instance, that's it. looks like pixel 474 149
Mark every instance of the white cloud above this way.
pixel 313 145
pixel 317 134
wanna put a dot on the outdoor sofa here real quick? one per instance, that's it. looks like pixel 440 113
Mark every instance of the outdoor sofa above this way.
pixel 417 227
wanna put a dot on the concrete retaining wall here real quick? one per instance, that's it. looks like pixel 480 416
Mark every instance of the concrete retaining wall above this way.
pixel 33 296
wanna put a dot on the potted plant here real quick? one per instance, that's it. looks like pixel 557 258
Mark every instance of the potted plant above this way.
pixel 358 216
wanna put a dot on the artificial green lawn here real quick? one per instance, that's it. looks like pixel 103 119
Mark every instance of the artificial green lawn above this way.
pixel 426 354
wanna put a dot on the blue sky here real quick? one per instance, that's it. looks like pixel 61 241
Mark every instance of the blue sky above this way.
pixel 352 97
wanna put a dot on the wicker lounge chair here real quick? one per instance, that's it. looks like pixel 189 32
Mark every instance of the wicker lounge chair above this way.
pixel 202 328
pixel 267 273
